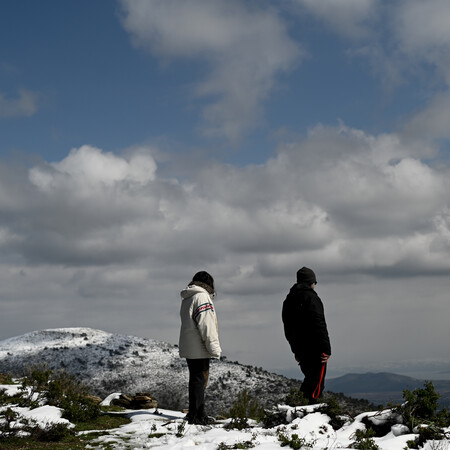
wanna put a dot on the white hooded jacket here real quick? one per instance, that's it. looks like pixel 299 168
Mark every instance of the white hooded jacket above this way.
pixel 199 337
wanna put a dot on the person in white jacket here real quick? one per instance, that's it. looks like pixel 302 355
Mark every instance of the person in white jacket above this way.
pixel 199 340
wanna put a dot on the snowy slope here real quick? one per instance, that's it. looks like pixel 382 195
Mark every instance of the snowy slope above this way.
pixel 111 362
pixel 165 429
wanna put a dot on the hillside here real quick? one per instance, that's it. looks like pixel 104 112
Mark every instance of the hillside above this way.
pixel 383 387
pixel 117 363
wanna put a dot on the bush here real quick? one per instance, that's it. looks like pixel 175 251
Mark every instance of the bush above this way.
pixel 64 391
pixel 296 398
pixel 54 432
pixel 273 418
pixel 8 418
pixel 420 405
pixel 5 379
pixel 59 389
pixel 364 440
pixel 427 433
pixel 333 410
pixel 245 407
pixel 294 441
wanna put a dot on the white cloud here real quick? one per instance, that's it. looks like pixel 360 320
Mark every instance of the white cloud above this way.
pixel 422 27
pixel 88 168
pixel 106 241
pixel 245 48
pixel 336 190
pixel 347 17
pixel 25 105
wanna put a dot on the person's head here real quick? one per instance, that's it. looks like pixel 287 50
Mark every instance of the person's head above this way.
pixel 306 276
pixel 205 278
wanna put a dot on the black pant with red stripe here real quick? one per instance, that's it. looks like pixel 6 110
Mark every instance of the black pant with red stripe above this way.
pixel 314 381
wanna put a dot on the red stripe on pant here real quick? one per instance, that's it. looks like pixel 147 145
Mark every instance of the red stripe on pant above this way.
pixel 316 393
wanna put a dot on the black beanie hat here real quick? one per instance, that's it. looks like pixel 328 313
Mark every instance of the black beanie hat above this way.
pixel 306 276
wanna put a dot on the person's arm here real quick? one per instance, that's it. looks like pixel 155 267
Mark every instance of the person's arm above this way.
pixel 205 317
pixel 320 328
pixel 289 327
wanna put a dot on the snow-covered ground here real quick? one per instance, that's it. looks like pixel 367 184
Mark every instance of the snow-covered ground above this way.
pixel 166 429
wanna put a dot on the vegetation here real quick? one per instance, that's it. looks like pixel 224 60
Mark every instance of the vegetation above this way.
pixel 364 440
pixel 245 407
pixel 294 441
pixel 5 379
pixel 421 406
pixel 419 412
pixel 333 409
pixel 42 386
pixel 295 397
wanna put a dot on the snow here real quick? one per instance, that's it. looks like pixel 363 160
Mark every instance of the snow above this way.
pixel 44 414
pixel 166 429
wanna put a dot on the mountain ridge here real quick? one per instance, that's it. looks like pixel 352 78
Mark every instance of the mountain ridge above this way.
pixel 384 387
pixel 109 363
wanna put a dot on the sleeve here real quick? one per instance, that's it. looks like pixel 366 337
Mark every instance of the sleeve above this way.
pixel 204 316
pixel 320 326
pixel 289 329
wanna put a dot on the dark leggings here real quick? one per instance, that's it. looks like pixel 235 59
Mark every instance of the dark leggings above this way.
pixel 198 379
pixel 313 382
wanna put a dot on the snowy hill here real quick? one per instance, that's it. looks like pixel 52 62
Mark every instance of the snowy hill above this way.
pixel 109 363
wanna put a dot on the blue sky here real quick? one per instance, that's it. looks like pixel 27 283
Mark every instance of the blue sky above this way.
pixel 92 86
pixel 141 141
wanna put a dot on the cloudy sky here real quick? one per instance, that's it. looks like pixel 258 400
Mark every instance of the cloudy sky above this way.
pixel 144 140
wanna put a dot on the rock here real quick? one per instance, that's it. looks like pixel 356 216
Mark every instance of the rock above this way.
pixel 142 400
pixel 94 398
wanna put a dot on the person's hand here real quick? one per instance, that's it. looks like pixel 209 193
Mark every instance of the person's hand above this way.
pixel 297 359
pixel 325 358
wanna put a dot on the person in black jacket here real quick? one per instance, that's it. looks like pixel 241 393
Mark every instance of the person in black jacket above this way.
pixel 306 331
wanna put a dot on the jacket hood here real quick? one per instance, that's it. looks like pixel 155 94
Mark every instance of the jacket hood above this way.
pixel 192 290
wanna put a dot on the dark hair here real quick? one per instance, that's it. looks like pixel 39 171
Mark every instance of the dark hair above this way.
pixel 204 277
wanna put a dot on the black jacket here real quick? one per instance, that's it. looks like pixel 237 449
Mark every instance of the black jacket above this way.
pixel 304 323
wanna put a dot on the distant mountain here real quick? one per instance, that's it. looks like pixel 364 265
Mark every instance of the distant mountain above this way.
pixel 110 363
pixel 384 387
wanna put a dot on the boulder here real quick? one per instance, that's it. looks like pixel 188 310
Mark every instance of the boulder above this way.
pixel 142 400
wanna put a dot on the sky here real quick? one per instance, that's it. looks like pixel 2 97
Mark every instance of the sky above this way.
pixel 143 141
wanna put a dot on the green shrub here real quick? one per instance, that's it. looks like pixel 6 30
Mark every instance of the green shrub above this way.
pixel 420 405
pixel 59 389
pixel 427 433
pixel 66 392
pixel 293 441
pixel 5 379
pixel 54 432
pixel 273 418
pixel 333 410
pixel 34 385
pixel 296 398
pixel 238 445
pixel 8 418
pixel 364 440
pixel 442 418
pixel 245 407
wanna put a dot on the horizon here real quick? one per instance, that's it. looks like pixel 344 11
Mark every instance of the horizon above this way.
pixel 143 141
pixel 418 370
